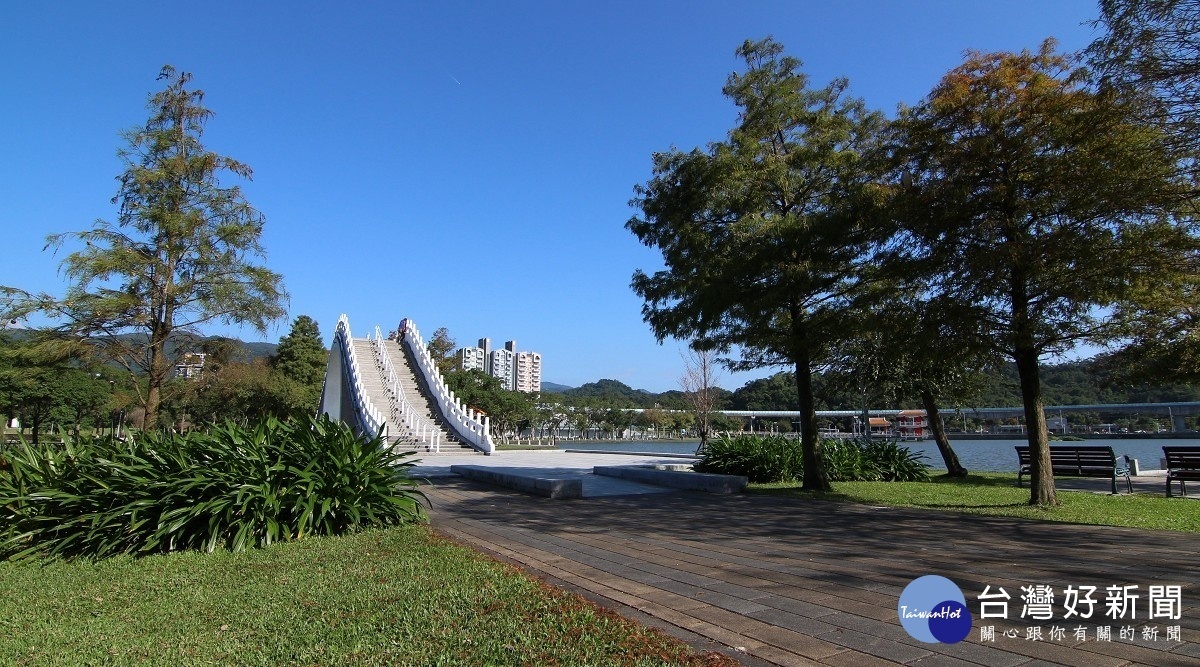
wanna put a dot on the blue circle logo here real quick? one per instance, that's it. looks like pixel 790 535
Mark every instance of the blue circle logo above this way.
pixel 932 609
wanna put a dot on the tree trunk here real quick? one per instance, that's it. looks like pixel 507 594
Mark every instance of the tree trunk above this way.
pixel 1041 472
pixel 953 467
pixel 815 478
pixel 157 375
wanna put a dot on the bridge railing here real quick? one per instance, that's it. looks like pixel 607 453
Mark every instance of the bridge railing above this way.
pixel 470 425
pixel 403 413
pixel 370 418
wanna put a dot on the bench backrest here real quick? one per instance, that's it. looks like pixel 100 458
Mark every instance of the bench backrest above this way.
pixel 1182 458
pixel 1089 456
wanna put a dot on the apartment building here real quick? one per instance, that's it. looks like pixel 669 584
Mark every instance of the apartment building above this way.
pixel 517 371
pixel 528 372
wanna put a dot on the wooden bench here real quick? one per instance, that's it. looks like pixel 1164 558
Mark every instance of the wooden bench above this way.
pixel 1081 461
pixel 1183 465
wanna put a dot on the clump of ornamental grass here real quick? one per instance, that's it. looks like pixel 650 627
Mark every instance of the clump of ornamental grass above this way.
pixel 230 487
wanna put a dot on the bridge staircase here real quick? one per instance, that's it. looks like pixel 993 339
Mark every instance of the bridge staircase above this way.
pixel 424 424
pixel 395 388
pixel 412 419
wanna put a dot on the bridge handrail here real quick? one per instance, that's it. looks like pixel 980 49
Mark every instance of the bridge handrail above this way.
pixel 475 430
pixel 404 411
pixel 368 416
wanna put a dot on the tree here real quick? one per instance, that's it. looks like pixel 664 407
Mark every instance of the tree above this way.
pixel 243 392
pixel 550 417
pixel 757 232
pixel 179 256
pixel 698 382
pixel 79 395
pixel 441 350
pixel 915 353
pixel 1041 202
pixel 301 358
pixel 1151 49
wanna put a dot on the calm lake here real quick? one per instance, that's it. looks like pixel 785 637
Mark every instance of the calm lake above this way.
pixel 980 455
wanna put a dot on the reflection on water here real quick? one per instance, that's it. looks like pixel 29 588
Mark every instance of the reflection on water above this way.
pixel 975 455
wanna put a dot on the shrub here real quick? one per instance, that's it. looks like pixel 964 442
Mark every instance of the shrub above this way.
pixel 776 458
pixel 761 458
pixel 231 487
pixel 893 462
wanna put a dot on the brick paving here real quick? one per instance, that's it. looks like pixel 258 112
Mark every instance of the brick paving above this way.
pixel 792 582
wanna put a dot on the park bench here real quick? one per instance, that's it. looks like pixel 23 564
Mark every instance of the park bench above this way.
pixel 1183 465
pixel 1081 461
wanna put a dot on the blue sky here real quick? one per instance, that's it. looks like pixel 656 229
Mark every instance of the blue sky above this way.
pixel 468 165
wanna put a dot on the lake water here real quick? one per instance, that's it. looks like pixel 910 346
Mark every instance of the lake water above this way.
pixel 976 455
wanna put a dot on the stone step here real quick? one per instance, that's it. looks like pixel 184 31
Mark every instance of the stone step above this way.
pixel 410 385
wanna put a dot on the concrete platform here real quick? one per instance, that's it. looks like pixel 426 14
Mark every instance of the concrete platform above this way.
pixel 670 476
pixel 526 480
pixel 543 472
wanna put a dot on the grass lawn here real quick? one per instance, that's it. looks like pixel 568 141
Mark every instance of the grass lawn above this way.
pixel 401 596
pixel 996 494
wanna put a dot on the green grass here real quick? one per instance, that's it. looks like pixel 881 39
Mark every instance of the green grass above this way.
pixel 995 494
pixel 400 596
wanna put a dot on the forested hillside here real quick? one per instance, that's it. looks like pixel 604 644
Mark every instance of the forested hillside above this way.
pixel 1072 383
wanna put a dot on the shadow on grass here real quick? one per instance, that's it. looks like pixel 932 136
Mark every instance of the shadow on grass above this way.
pixel 990 480
pixel 963 506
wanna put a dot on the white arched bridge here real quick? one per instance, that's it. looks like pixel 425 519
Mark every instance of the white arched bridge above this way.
pixel 393 387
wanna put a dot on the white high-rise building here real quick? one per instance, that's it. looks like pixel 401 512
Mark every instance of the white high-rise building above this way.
pixel 517 371
pixel 528 375
pixel 504 363
pixel 472 358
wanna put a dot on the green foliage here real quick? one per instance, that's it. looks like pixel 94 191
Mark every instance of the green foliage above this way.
pixel 301 355
pixel 758 238
pixel 777 392
pixel 508 410
pixel 180 254
pixel 775 458
pixel 228 488
pixel 1044 208
pixel 242 393
pixel 610 392
pixel 441 350
pixel 46 391
pixel 299 368
pixel 1148 49
pixel 771 458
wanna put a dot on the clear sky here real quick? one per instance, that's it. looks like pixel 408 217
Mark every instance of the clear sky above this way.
pixel 468 165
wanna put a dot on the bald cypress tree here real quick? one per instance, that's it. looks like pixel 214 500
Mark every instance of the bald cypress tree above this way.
pixel 180 254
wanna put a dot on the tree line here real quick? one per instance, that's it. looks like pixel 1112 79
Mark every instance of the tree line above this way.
pixel 1032 202
pixel 47 394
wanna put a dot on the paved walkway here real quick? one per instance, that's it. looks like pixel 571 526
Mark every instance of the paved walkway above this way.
pixel 792 582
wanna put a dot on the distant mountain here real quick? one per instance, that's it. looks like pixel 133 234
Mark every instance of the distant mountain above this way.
pixel 555 388
pixel 258 350
pixel 241 350
pixel 614 391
